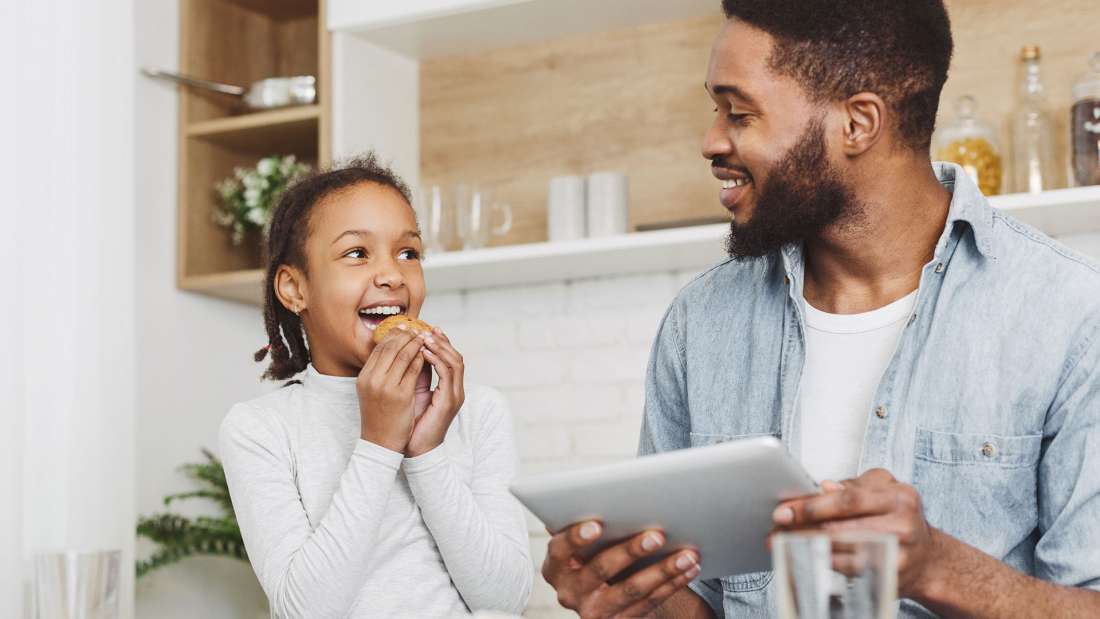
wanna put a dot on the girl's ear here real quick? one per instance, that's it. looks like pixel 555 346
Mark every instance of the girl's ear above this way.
pixel 290 288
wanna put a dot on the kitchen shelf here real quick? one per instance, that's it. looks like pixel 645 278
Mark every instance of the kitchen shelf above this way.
pixel 240 42
pixel 260 127
pixel 1063 211
pixel 432 28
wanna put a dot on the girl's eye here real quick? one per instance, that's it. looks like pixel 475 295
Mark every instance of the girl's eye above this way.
pixel 409 254
pixel 358 253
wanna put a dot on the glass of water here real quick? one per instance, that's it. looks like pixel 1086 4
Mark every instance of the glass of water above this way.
pixel 864 585
pixel 76 585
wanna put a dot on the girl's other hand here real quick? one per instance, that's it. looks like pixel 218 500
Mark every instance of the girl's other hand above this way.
pixel 386 387
pixel 447 398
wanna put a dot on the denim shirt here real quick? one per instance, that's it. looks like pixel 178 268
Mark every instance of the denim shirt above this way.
pixel 990 405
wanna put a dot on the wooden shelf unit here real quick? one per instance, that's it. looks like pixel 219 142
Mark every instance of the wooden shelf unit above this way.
pixel 240 42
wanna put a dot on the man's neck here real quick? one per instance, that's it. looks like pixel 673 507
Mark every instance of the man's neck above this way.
pixel 876 258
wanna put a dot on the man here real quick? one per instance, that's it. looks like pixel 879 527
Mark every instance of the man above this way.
pixel 885 322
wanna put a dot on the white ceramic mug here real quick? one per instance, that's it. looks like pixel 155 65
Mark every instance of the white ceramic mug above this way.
pixel 566 209
pixel 608 204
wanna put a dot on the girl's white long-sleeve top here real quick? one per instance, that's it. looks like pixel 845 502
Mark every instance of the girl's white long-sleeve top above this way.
pixel 336 526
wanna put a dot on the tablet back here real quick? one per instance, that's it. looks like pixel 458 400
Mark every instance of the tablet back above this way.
pixel 718 499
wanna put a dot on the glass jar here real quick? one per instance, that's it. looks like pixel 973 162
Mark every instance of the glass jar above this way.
pixel 1085 125
pixel 972 144
pixel 1033 162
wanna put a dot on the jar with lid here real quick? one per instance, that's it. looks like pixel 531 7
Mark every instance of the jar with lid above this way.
pixel 1085 125
pixel 972 144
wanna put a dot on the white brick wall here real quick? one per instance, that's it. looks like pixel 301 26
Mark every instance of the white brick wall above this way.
pixel 570 357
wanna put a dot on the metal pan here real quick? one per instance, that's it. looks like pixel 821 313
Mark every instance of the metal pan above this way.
pixel 262 95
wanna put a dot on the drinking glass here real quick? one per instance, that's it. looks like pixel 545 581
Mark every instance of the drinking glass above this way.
pixel 76 585
pixel 807 587
pixel 476 210
pixel 435 214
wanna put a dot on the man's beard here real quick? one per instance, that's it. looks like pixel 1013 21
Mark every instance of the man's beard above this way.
pixel 803 195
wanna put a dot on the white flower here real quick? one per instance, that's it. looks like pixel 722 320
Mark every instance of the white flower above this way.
pixel 256 216
pixel 251 181
pixel 252 197
pixel 266 166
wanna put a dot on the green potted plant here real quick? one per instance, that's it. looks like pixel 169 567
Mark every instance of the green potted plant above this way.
pixel 178 537
pixel 248 197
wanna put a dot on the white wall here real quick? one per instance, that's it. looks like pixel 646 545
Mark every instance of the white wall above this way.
pixel 194 352
pixel 68 292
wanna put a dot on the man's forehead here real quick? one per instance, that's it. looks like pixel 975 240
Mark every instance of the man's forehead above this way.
pixel 740 65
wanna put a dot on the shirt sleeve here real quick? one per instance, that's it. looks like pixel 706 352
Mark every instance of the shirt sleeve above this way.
pixel 1069 477
pixel 479 528
pixel 666 423
pixel 305 571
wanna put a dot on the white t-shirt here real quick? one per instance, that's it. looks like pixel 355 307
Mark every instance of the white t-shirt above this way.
pixel 846 356
pixel 336 526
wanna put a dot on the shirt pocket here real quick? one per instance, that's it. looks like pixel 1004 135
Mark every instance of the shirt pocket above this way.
pixel 980 488
pixel 741 583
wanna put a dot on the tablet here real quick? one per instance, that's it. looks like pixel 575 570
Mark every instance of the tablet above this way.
pixel 718 499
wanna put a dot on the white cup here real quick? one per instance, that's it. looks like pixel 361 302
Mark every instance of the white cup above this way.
pixel 565 208
pixel 608 200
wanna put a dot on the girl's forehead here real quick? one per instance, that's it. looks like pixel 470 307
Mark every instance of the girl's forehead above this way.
pixel 366 206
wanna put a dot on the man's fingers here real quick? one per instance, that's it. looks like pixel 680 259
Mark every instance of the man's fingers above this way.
pixel 660 595
pixel 643 586
pixel 567 543
pixel 611 561
pixel 851 502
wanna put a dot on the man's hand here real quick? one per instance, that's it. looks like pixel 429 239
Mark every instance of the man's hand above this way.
pixel 583 586
pixel 874 501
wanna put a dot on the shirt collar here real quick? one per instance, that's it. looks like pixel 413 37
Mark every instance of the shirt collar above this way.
pixel 333 388
pixel 967 205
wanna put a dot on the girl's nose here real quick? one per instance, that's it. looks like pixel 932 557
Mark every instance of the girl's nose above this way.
pixel 388 276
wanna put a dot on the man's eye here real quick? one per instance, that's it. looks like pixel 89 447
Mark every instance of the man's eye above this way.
pixel 740 119
pixel 409 254
pixel 358 253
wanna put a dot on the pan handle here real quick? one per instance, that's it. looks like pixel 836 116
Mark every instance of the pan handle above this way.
pixel 227 89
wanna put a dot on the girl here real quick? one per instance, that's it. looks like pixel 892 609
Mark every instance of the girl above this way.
pixel 359 491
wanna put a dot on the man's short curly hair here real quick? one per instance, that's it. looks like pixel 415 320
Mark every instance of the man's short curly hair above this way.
pixel 898 49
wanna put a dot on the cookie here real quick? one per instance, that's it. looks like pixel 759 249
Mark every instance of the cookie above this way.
pixel 384 327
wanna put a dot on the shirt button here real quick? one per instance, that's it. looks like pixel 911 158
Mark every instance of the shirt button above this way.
pixel 988 450
pixel 939 268
pixel 880 412
pixel 787 280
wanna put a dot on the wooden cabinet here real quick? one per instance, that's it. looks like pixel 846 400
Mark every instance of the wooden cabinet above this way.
pixel 240 42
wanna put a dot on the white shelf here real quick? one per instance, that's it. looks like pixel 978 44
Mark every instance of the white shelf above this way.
pixel 1057 213
pixel 427 28
pixel 640 252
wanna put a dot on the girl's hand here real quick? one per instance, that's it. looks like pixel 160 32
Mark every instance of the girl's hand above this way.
pixel 447 398
pixel 386 386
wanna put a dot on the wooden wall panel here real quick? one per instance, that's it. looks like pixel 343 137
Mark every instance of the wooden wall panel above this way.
pixel 633 100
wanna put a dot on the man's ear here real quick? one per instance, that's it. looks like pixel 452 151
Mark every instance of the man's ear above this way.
pixel 290 288
pixel 864 125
